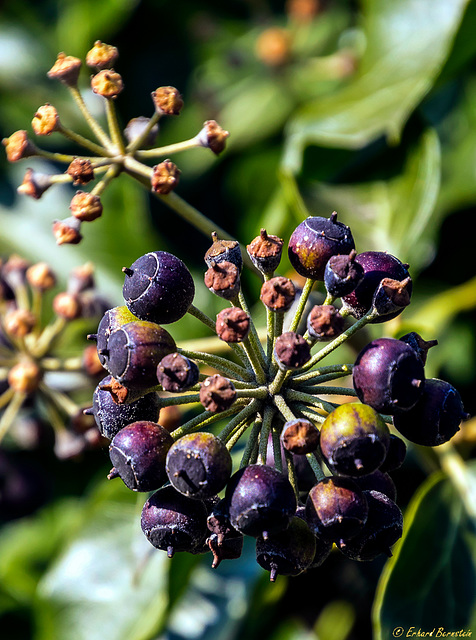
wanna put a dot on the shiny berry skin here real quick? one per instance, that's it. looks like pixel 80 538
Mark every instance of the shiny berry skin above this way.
pixel 176 373
pixel 199 465
pixel 383 528
pixel 354 439
pixel 336 509
pixel 377 265
pixel 378 481
pixel 134 352
pixel 138 453
pixel 172 522
pixel 397 450
pixel 112 320
pixel 158 287
pixel 288 552
pixel 224 251
pixel 342 274
pixel 265 252
pixel 111 417
pixel 261 500
pixel 436 416
pixel 388 375
pixel 323 547
pixel 314 241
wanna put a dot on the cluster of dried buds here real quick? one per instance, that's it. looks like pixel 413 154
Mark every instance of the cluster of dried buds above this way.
pixel 34 381
pixel 112 151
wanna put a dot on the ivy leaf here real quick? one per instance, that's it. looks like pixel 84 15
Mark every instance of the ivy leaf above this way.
pixel 406 49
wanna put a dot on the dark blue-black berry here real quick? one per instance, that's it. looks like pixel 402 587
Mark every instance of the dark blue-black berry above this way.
pixel 158 287
pixel 112 320
pixel 342 274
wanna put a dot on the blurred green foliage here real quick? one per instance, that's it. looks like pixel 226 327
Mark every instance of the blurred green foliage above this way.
pixel 370 112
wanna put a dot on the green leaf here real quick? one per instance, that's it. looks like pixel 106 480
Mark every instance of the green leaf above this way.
pixel 431 580
pixel 406 49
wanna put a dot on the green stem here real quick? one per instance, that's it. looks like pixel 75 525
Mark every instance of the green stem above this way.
pixel 283 407
pixel 299 396
pixel 339 391
pixel 137 142
pixel 244 414
pixel 264 434
pixel 308 412
pixel 278 461
pixel 174 401
pixel 315 466
pixel 239 431
pixel 306 290
pixel 253 335
pixel 204 419
pixel 291 473
pixel 112 172
pixel 323 372
pixel 11 412
pixel 92 122
pixel 61 400
pixel 84 142
pixel 47 337
pixel 113 124
pixel 454 466
pixel 251 443
pixel 160 152
pixel 229 368
pixel 57 364
pixel 6 396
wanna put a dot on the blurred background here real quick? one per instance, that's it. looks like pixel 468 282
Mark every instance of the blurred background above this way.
pixel 363 107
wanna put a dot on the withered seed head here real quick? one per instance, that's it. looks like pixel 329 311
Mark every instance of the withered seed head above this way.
pixel 34 184
pixel 19 322
pixel 291 351
pixel 81 170
pixel 67 306
pixel 165 177
pixel 65 69
pixel 107 83
pixel 392 295
pixel 85 206
pixel 324 322
pixel 265 252
pixel 46 120
pixel 67 231
pixel 167 100
pixel 232 324
pixel 224 250
pixel 300 436
pixel 19 146
pixel 213 136
pixel 25 376
pixel 278 293
pixel 223 279
pixel 102 55
pixel 40 276
pixel 217 393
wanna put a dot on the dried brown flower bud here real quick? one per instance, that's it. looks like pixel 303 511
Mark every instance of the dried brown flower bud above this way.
pixel 392 295
pixel 303 10
pixel 34 184
pixel 91 363
pixel 165 177
pixel 67 231
pixel 102 55
pixel 324 322
pixel 67 306
pixel 25 376
pixel 213 136
pixel 46 120
pixel 81 170
pixel 65 69
pixel 300 436
pixel 224 250
pixel 223 279
pixel 273 47
pixel 86 206
pixel 14 270
pixel 232 324
pixel 265 252
pixel 167 100
pixel 176 373
pixel 136 126
pixel 19 146
pixel 40 276
pixel 107 83
pixel 291 351
pixel 19 322
pixel 81 278
pixel 217 393
pixel 278 293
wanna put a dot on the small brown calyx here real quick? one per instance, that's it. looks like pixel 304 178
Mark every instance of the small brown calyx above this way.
pixel 265 252
pixel 46 120
pixel 67 306
pixel 342 264
pixel 41 276
pixel 223 279
pixel 119 393
pixel 81 278
pixel 273 47
pixel 167 101
pixel 135 128
pixel 34 184
pixel 300 436
pixel 291 351
pixel 19 146
pixel 324 322
pixel 67 231
pixel 91 363
pixel 212 136
pixel 232 325
pixel 81 170
pixel 25 377
pixel 65 69
pixel 176 373
pixel 102 56
pixel 217 393
pixel 85 206
pixel 392 295
pixel 19 322
pixel 107 83
pixel 278 294
pixel 224 250
pixel 165 177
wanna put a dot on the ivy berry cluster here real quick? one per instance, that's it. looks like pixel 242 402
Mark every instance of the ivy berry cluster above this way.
pixel 314 474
